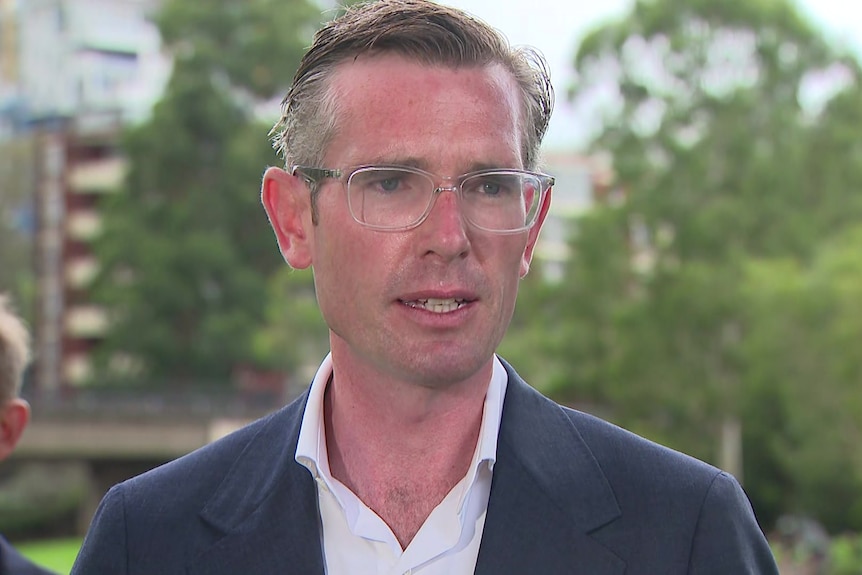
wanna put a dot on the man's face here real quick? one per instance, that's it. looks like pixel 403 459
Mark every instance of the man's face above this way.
pixel 377 289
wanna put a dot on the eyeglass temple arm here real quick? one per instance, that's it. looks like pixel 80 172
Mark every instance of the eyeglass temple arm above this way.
pixel 315 174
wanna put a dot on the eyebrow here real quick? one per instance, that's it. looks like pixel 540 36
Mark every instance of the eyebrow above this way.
pixel 414 162
pixel 410 162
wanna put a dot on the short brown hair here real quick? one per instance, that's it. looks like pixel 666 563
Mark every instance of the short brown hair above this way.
pixel 417 29
pixel 14 351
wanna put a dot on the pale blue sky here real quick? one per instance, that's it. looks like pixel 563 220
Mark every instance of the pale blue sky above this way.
pixel 555 26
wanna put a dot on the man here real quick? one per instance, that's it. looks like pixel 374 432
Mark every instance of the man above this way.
pixel 14 415
pixel 410 137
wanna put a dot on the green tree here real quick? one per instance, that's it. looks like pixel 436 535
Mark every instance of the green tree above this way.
pixel 186 250
pixel 253 45
pixel 723 118
pixel 804 372
pixel 294 336
pixel 17 170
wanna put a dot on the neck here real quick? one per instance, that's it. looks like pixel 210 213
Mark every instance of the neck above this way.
pixel 391 420
pixel 401 447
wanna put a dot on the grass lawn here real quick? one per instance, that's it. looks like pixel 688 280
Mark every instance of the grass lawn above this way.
pixel 55 554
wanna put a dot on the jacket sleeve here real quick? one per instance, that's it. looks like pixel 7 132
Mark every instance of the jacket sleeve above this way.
pixel 104 550
pixel 727 538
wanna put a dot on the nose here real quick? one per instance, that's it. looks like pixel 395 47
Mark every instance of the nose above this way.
pixel 444 231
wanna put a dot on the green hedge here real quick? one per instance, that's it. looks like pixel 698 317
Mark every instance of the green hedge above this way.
pixel 35 498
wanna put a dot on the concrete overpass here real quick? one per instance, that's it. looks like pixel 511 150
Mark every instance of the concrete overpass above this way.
pixel 121 435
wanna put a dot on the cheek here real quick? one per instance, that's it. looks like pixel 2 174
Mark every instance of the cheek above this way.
pixel 334 301
pixel 517 262
pixel 350 264
pixel 330 271
pixel 512 288
pixel 523 267
pixel 511 268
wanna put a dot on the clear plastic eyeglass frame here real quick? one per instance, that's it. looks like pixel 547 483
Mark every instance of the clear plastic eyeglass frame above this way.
pixel 399 198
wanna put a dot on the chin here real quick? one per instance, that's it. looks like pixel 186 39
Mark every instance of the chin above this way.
pixel 440 370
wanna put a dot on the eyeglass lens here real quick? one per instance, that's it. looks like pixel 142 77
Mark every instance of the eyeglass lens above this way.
pixel 391 198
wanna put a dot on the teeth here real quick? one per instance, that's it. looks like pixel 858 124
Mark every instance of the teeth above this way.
pixel 437 305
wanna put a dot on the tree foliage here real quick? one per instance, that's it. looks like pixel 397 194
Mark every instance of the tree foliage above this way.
pixel 186 250
pixel 294 336
pixel 804 373
pixel 731 126
pixel 253 45
pixel 17 218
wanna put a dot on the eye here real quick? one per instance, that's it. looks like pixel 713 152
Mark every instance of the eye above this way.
pixel 490 188
pixel 389 184
pixel 382 181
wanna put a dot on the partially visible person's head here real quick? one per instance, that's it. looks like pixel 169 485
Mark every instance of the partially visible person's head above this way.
pixel 14 356
pixel 14 351
pixel 417 30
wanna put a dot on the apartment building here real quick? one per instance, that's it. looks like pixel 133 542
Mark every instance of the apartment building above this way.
pixel 73 73
pixel 581 181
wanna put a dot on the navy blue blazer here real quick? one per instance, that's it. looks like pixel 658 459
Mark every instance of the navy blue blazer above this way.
pixel 571 494
pixel 13 563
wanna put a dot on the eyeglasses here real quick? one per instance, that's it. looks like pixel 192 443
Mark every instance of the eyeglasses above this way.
pixel 398 198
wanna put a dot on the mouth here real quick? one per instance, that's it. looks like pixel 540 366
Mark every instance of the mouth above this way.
pixel 437 305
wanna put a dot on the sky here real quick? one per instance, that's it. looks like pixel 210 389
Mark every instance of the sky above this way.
pixel 556 26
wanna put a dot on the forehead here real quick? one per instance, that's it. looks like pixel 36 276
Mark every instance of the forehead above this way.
pixel 390 107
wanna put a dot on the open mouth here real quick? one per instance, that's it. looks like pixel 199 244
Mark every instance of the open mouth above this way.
pixel 436 305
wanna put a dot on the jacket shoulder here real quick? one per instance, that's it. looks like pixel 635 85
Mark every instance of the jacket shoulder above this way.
pixel 13 563
pixel 188 481
pixel 617 449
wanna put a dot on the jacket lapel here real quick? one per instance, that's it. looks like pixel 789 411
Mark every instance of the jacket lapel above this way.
pixel 548 494
pixel 265 511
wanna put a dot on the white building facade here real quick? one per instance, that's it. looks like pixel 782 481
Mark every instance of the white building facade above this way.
pixel 83 56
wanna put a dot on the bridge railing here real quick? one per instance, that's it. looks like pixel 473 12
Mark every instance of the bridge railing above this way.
pixel 170 403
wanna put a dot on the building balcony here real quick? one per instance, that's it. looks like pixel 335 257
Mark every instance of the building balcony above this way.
pixel 86 321
pixel 97 176
pixel 83 225
pixel 81 271
pixel 77 369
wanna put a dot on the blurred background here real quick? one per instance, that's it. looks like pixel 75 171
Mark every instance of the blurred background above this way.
pixel 699 279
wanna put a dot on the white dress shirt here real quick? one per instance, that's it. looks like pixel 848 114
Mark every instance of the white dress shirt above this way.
pixel 357 541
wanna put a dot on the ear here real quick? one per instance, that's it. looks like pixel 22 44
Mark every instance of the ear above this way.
pixel 287 202
pixel 14 415
pixel 534 234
